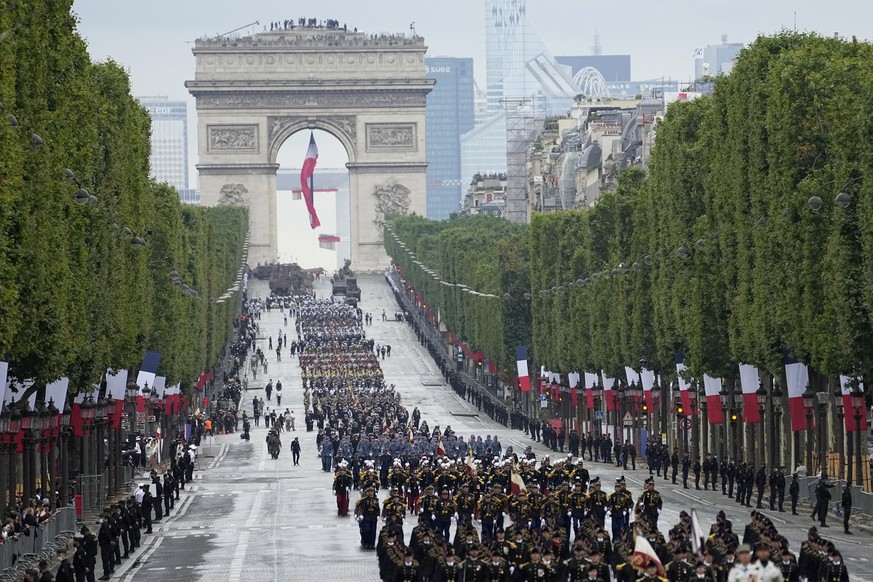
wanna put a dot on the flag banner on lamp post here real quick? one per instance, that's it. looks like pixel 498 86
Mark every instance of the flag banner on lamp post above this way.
pixel 848 409
pixel 590 383
pixel 521 366
pixel 630 375
pixel 146 377
pixel 56 393
pixel 573 378
pixel 712 387
pixel 797 378
pixel 750 383
pixel 116 385
pixel 4 372
pixel 607 391
pixel 683 384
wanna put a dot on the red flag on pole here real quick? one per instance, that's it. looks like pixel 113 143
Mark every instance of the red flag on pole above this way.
pixel 306 181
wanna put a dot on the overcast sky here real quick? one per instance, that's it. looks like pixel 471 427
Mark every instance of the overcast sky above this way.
pixel 152 38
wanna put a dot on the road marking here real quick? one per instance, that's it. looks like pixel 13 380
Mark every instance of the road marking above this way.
pixel 141 561
pixel 239 555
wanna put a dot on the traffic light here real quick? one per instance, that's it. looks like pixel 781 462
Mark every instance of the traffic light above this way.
pixel 645 407
pixel 679 411
pixel 734 418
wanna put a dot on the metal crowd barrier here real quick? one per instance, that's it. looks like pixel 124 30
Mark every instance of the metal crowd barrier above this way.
pixel 42 543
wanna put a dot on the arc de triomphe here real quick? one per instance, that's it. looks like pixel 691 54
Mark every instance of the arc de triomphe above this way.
pixel 369 91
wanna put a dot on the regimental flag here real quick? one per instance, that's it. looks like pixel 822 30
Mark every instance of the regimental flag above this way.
pixel 797 378
pixel 644 554
pixel 698 536
pixel 469 464
pixel 146 377
pixel 712 387
pixel 440 451
pixel 683 384
pixel 521 365
pixel 846 391
pixel 516 482
pixel 607 391
pixel 306 181
pixel 750 383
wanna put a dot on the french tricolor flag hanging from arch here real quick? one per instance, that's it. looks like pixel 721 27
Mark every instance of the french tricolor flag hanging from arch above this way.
pixel 306 181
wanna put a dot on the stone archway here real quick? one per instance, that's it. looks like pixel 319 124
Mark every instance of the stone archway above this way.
pixel 368 91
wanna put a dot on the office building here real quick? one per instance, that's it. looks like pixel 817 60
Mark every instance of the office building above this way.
pixel 449 115
pixel 716 59
pixel 169 158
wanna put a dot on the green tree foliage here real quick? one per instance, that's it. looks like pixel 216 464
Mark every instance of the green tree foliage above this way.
pixel 76 297
pixel 734 265
pixel 490 257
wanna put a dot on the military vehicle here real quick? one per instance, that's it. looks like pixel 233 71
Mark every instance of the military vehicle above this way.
pixel 291 280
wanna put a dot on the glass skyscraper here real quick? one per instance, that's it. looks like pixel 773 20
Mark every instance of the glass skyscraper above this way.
pixel 524 81
pixel 169 158
pixel 449 115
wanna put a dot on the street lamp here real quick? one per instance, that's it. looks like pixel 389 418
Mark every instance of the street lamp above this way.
pixel 775 433
pixel 822 429
pixel 761 396
pixel 724 397
pixel 858 406
pixel 635 395
pixel 656 401
pixel 809 404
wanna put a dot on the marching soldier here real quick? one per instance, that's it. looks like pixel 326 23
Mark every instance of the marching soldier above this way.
pixel 788 567
pixel 596 503
pixel 650 503
pixel 450 570
pixel 367 513
pixel 620 504
pixel 834 570
pixel 408 570
pixel 680 570
pixel 342 482
pixel 496 569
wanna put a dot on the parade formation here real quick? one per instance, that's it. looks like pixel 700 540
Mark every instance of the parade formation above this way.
pixel 466 508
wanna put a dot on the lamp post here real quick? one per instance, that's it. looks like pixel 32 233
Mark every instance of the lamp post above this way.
pixel 775 433
pixel 617 399
pixel 28 419
pixel 822 398
pixel 112 441
pixel 809 404
pixel 48 464
pixel 703 421
pixel 723 396
pixel 88 413
pixel 5 419
pixel 656 417
pixel 838 402
pixel 597 393
pixel 858 405
pixel 13 429
pixel 66 431
pixel 761 396
pixel 635 395
pixel 41 423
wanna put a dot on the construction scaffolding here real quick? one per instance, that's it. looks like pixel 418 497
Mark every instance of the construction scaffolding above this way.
pixel 524 121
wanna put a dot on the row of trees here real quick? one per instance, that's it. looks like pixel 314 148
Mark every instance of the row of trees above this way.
pixel 485 254
pixel 750 237
pixel 78 292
